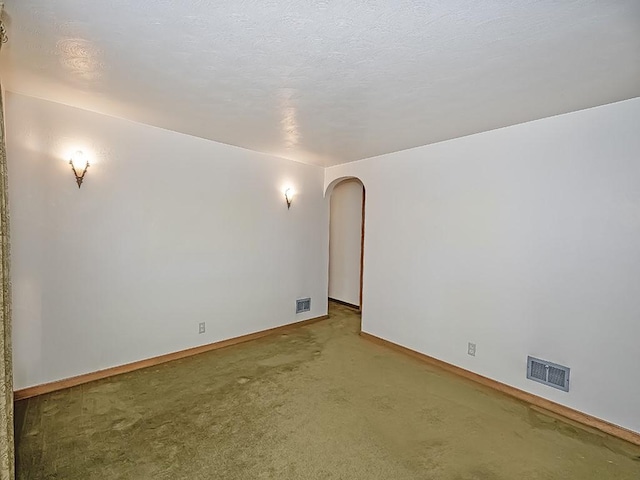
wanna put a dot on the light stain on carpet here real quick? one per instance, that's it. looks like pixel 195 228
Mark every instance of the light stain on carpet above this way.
pixel 316 403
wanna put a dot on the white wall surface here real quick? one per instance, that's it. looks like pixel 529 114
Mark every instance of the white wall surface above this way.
pixel 167 231
pixel 345 237
pixel 524 240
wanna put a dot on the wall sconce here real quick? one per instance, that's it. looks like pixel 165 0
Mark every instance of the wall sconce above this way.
pixel 78 162
pixel 288 196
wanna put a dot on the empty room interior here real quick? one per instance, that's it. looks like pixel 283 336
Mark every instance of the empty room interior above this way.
pixel 290 239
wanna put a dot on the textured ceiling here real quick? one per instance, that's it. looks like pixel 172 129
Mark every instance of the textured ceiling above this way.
pixel 325 81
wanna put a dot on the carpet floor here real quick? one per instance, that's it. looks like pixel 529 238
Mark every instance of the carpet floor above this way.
pixel 318 402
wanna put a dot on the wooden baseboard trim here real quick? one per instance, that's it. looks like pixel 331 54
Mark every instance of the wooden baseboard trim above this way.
pixel 346 304
pixel 150 362
pixel 533 400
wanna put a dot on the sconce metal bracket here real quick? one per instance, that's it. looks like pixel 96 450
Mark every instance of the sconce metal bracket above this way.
pixel 288 197
pixel 79 178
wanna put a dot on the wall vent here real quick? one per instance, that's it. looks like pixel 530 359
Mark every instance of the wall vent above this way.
pixel 548 373
pixel 303 305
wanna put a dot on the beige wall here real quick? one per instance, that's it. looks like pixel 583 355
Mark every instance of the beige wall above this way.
pixel 167 231
pixel 523 240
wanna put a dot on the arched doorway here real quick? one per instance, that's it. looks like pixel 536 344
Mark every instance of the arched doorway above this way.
pixel 346 241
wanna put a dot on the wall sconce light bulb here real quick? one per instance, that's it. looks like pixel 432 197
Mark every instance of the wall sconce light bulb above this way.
pixel 78 159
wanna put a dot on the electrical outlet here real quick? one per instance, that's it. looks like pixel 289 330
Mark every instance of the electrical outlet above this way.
pixel 201 327
pixel 471 350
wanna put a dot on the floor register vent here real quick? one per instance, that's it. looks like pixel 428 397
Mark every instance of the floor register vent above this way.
pixel 303 305
pixel 548 373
